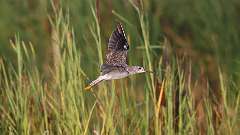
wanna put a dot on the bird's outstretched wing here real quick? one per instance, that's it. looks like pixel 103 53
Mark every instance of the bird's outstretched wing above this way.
pixel 117 48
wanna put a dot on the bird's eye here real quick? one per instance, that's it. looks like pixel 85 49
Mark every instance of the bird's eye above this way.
pixel 139 68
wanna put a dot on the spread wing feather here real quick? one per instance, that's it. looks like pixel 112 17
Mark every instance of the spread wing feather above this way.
pixel 117 48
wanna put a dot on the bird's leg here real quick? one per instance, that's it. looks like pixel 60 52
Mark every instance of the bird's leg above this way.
pixel 98 80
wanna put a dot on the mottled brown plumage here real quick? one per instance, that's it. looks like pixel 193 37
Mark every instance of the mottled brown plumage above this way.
pixel 117 48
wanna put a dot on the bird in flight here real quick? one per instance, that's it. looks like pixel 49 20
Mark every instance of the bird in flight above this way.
pixel 115 66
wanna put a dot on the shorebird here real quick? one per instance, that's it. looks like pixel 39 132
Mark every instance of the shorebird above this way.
pixel 115 66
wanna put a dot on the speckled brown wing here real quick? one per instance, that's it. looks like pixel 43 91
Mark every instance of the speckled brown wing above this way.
pixel 117 48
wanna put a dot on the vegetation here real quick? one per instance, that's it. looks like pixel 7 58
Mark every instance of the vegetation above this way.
pixel 58 47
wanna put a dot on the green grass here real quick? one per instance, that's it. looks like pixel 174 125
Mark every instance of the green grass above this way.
pixel 31 103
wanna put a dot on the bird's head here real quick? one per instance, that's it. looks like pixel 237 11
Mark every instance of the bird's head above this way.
pixel 136 69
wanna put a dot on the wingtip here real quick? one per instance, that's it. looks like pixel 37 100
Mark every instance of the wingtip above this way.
pixel 119 26
pixel 88 87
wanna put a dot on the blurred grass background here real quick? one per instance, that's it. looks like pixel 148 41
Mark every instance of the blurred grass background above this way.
pixel 210 27
pixel 50 50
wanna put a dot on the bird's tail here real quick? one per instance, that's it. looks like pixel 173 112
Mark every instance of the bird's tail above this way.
pixel 98 80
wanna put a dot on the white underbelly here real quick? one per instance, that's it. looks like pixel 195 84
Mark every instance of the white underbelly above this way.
pixel 116 75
